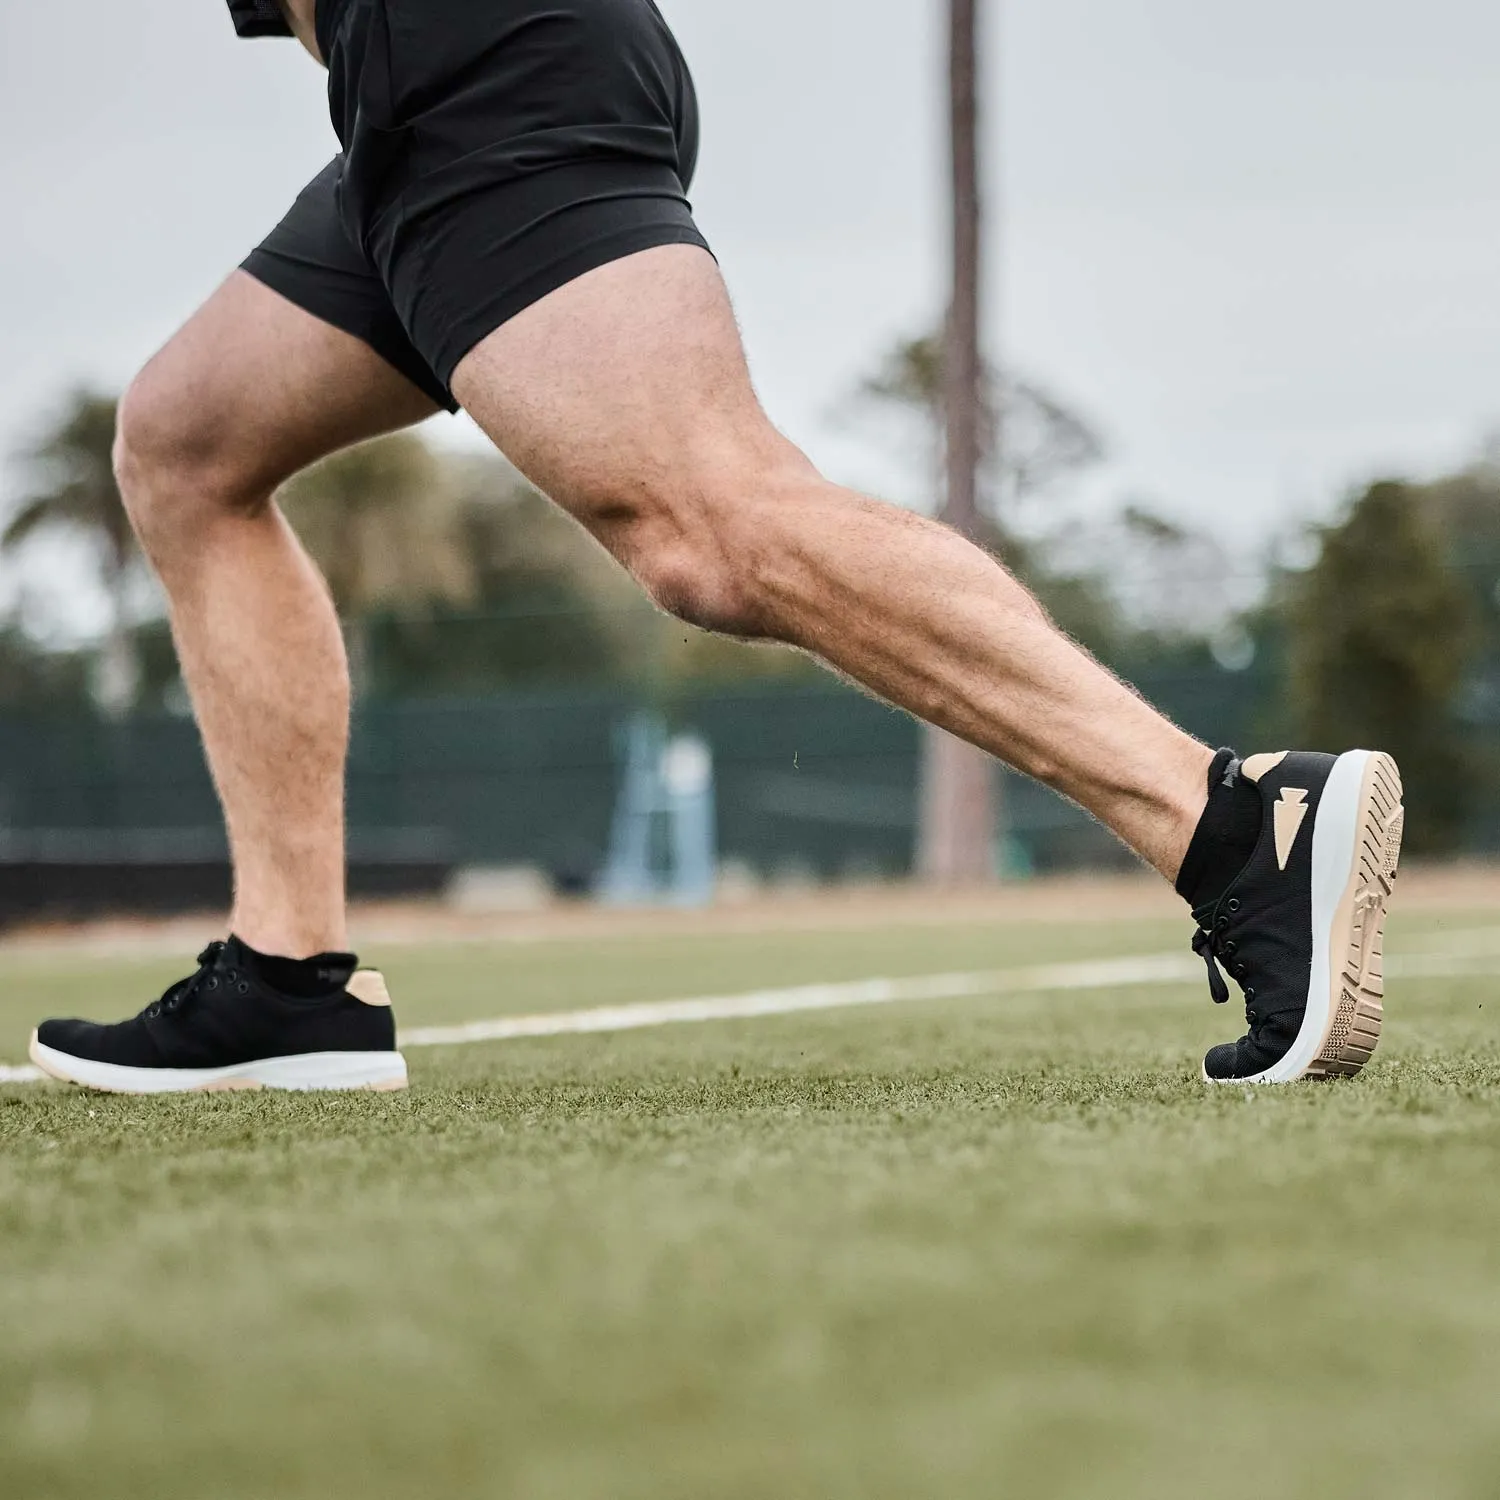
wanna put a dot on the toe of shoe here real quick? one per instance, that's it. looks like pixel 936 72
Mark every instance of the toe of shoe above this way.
pixel 76 1038
pixel 1222 1064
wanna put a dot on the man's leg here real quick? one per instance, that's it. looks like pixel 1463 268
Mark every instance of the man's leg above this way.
pixel 250 391
pixel 253 389
pixel 626 398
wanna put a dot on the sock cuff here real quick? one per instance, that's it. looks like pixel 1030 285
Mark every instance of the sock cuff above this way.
pixel 302 978
pixel 1201 847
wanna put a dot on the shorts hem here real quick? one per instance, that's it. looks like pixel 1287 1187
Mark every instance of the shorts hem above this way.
pixel 296 281
pixel 466 333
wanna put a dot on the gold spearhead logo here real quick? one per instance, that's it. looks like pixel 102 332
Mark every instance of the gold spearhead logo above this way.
pixel 1290 810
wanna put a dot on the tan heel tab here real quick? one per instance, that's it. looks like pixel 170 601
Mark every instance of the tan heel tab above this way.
pixel 1257 765
pixel 368 985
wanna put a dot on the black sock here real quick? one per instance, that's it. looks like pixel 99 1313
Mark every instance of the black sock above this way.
pixel 1226 834
pixel 312 978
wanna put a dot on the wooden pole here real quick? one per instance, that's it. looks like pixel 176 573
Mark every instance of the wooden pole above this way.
pixel 959 803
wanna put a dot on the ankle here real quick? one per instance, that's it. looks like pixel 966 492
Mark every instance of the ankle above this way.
pixel 290 940
pixel 1157 818
pixel 1188 800
pixel 1225 835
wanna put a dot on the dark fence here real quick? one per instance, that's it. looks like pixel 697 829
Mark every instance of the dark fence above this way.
pixel 812 781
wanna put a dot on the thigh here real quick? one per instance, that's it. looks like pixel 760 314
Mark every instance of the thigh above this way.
pixel 626 385
pixel 253 388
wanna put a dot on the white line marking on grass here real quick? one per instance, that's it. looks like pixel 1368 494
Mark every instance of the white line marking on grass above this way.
pixel 1469 954
pixel 1100 974
pixel 1151 968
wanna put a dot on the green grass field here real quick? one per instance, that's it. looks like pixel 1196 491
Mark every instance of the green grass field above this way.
pixel 990 1247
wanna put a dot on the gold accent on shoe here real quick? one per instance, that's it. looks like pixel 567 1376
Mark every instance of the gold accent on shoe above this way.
pixel 368 985
pixel 1256 766
pixel 1288 815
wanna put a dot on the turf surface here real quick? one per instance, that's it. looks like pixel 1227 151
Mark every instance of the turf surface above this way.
pixel 977 1248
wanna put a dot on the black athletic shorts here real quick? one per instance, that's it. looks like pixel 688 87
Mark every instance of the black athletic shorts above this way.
pixel 493 150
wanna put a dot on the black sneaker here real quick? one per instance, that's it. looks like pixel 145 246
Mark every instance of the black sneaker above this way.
pixel 225 1028
pixel 1300 928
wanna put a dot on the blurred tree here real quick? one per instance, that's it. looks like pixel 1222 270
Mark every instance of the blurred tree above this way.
pixel 1044 440
pixel 548 605
pixel 71 489
pixel 545 603
pixel 386 525
pixel 1466 508
pixel 520 543
pixel 33 678
pixel 462 578
pixel 1382 631
pixel 1150 585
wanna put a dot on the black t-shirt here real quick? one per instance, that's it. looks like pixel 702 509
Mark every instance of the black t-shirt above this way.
pixel 258 18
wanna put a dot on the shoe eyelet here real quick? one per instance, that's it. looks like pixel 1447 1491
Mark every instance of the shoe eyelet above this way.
pixel 242 987
pixel 1233 903
pixel 1221 924
pixel 213 982
pixel 154 1013
pixel 1229 948
pixel 232 975
pixel 1249 994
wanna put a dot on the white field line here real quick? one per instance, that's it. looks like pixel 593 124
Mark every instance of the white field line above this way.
pixel 1470 952
pixel 1152 968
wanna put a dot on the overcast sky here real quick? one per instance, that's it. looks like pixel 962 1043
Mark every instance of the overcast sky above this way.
pixel 1257 245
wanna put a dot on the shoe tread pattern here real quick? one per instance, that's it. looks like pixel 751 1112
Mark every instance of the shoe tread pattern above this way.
pixel 1355 1031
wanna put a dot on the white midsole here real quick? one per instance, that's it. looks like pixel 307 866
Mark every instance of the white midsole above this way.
pixel 1336 835
pixel 308 1071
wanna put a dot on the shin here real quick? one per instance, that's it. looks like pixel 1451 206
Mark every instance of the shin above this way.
pixel 261 652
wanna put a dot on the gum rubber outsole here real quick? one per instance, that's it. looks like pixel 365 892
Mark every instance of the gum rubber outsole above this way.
pixel 1354 1031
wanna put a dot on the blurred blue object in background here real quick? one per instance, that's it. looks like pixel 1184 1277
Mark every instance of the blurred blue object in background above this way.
pixel 662 838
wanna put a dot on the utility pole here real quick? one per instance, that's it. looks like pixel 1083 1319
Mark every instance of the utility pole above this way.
pixel 959 790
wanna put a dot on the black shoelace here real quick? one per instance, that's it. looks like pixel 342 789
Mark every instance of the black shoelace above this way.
pixel 1214 948
pixel 187 990
pixel 1208 946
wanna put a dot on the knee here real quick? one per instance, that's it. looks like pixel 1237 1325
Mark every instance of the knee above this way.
pixel 176 463
pixel 711 545
pixel 703 585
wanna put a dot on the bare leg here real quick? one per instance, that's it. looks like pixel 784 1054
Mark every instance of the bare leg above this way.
pixel 626 398
pixel 204 440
